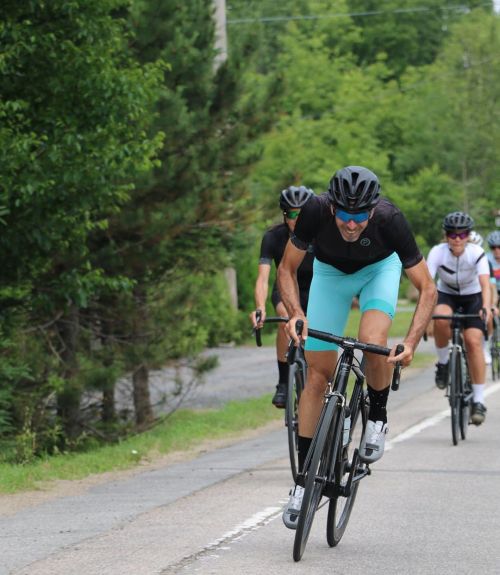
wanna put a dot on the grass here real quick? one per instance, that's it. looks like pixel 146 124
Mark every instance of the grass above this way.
pixel 183 430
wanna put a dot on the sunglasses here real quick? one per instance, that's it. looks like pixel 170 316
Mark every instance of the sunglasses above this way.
pixel 455 235
pixel 292 214
pixel 358 217
pixel 495 247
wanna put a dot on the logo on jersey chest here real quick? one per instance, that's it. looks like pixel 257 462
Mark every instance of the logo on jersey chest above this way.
pixel 365 242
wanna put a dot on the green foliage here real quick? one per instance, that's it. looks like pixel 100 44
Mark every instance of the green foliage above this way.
pixel 75 110
pixel 421 199
pixel 408 33
pixel 451 121
pixel 73 119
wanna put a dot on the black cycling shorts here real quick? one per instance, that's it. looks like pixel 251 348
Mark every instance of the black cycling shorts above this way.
pixel 468 304
pixel 276 298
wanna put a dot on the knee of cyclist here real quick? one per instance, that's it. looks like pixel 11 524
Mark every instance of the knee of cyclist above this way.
pixel 317 380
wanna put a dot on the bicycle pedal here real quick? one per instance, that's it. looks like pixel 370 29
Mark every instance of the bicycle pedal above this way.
pixel 300 479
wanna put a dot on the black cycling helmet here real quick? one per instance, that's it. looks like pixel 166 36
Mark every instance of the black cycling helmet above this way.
pixel 354 188
pixel 294 197
pixel 458 221
pixel 493 239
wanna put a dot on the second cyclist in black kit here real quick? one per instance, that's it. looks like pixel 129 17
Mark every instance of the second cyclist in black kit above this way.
pixel 291 200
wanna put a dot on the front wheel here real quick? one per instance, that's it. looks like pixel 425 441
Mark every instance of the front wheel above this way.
pixel 316 475
pixel 465 401
pixel 455 395
pixel 296 381
pixel 341 505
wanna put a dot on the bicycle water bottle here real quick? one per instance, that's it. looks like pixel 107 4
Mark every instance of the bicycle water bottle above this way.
pixel 347 427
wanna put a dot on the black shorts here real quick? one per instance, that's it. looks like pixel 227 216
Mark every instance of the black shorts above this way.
pixel 467 304
pixel 276 298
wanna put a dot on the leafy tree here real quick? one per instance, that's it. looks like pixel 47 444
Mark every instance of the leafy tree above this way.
pixel 451 119
pixel 179 226
pixel 74 112
pixel 408 33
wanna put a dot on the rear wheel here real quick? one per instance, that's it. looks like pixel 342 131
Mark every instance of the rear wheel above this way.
pixel 296 382
pixel 495 353
pixel 465 401
pixel 454 394
pixel 341 505
pixel 316 476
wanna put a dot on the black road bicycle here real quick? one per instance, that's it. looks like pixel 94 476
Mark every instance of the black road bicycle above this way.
pixel 495 349
pixel 297 375
pixel 332 468
pixel 459 386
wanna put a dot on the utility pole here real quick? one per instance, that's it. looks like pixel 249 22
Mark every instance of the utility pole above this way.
pixel 220 32
pixel 220 58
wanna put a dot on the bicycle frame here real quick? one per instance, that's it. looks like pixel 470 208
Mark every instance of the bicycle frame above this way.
pixel 337 390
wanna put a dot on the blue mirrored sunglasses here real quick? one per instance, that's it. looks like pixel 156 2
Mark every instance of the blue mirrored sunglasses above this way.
pixel 358 217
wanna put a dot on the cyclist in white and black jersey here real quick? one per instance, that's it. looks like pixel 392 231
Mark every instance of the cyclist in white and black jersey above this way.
pixel 463 282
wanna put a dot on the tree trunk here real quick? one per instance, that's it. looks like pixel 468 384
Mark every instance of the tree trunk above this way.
pixel 142 398
pixel 108 405
pixel 68 400
pixel 140 375
pixel 108 412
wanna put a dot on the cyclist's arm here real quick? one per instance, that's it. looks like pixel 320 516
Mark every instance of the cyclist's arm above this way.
pixel 484 281
pixel 260 293
pixel 289 288
pixel 493 290
pixel 420 277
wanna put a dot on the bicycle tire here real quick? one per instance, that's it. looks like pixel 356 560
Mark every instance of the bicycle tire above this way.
pixel 495 361
pixel 454 394
pixel 340 506
pixel 465 403
pixel 296 380
pixel 491 346
pixel 495 354
pixel 315 476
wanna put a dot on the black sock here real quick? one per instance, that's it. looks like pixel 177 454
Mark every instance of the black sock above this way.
pixel 303 445
pixel 283 371
pixel 378 404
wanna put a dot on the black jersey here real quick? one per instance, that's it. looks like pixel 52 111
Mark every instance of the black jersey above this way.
pixel 387 232
pixel 272 248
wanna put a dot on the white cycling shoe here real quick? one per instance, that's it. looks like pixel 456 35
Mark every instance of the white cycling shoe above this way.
pixel 373 442
pixel 292 509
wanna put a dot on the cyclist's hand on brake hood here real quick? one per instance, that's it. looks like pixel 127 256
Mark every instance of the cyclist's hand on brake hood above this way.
pixel 291 329
pixel 405 357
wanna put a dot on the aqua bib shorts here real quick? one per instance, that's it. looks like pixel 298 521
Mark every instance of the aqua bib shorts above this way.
pixel 331 293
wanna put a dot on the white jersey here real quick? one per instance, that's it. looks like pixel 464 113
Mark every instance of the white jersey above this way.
pixel 458 275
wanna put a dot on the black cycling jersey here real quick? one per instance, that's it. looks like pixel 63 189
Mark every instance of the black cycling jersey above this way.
pixel 387 232
pixel 272 249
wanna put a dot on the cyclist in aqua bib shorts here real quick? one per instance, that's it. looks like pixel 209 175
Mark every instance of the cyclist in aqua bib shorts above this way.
pixel 361 241
pixel 291 200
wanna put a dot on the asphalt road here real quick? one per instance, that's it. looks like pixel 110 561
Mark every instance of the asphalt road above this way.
pixel 427 508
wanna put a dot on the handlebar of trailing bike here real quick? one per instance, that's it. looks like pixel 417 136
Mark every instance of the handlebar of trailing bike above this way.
pixel 458 316
pixel 343 342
